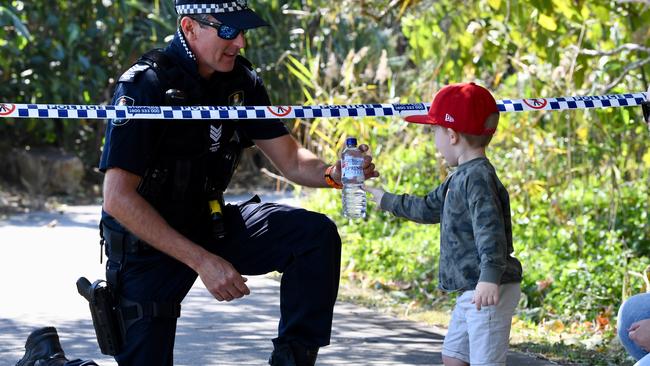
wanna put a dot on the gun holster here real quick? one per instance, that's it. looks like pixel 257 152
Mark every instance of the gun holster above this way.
pixel 113 314
pixel 101 300
pixel 112 319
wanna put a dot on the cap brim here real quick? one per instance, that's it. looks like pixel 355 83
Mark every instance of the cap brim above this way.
pixel 244 19
pixel 424 119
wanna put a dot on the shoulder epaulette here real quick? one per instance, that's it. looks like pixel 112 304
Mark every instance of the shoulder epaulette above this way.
pixel 130 74
pixel 152 59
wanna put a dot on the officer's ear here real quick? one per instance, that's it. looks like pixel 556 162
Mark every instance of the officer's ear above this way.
pixel 187 26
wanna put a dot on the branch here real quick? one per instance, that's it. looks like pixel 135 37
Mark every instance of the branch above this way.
pixel 628 68
pixel 644 276
pixel 633 1
pixel 619 49
pixel 275 176
pixel 378 17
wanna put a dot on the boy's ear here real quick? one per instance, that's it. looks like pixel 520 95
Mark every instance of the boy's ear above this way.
pixel 454 137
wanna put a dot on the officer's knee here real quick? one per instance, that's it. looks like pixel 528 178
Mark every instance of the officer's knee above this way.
pixel 329 225
pixel 318 232
pixel 326 230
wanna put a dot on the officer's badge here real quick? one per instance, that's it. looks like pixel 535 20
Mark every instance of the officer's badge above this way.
pixel 123 101
pixel 236 99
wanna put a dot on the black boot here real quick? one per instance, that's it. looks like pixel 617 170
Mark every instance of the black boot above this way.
pixel 292 354
pixel 282 355
pixel 57 361
pixel 304 356
pixel 43 344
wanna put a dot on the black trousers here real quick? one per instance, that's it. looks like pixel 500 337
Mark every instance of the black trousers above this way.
pixel 262 237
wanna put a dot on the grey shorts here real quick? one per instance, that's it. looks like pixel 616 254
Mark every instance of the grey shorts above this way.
pixel 482 337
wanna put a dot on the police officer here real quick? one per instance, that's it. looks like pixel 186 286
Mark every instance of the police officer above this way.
pixel 164 220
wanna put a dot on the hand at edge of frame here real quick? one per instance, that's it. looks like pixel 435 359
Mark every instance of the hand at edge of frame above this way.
pixel 640 333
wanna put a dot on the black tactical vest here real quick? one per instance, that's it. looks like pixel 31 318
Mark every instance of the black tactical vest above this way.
pixel 193 160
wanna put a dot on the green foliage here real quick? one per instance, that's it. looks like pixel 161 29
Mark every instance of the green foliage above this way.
pixel 329 52
pixel 70 52
pixel 578 181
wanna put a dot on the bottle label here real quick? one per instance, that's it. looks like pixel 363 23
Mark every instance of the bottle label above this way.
pixel 352 168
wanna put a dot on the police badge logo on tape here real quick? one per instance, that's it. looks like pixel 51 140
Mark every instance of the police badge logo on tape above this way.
pixel 123 101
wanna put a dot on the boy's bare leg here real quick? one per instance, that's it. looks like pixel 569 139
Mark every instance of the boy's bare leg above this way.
pixel 450 361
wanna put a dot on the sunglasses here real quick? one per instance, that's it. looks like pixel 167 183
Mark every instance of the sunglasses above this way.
pixel 223 31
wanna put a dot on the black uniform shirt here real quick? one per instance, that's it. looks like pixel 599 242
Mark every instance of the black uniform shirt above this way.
pixel 137 145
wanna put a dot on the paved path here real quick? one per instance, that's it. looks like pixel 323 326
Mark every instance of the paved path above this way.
pixel 43 254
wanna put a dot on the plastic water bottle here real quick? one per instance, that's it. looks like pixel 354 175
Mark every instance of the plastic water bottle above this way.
pixel 354 197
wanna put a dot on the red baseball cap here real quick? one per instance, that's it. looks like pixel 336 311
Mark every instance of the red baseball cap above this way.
pixel 462 107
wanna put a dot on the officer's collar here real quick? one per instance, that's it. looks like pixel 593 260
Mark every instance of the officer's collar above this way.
pixel 181 49
pixel 187 49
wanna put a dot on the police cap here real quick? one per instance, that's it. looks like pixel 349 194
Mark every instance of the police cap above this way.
pixel 234 13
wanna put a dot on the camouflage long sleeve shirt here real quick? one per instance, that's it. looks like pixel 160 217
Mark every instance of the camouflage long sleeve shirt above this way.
pixel 473 208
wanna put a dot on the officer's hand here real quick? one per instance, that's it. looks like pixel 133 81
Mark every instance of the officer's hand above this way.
pixel 222 279
pixel 368 166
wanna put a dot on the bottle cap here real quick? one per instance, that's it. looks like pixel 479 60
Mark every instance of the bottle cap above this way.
pixel 351 141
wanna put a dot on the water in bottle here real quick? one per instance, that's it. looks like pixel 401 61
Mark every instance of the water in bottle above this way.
pixel 354 197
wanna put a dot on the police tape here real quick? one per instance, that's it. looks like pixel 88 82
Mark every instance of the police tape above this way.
pixel 70 111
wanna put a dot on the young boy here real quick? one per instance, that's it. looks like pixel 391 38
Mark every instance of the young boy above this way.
pixel 473 209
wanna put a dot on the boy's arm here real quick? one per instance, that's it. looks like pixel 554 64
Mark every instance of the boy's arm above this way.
pixel 425 210
pixel 491 240
pixel 489 229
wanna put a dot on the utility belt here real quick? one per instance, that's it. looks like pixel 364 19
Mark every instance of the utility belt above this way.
pixel 111 313
pixel 121 243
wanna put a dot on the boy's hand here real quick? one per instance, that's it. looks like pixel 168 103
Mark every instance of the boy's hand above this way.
pixel 375 194
pixel 485 294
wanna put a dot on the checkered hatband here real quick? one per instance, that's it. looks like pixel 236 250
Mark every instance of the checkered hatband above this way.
pixel 226 7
